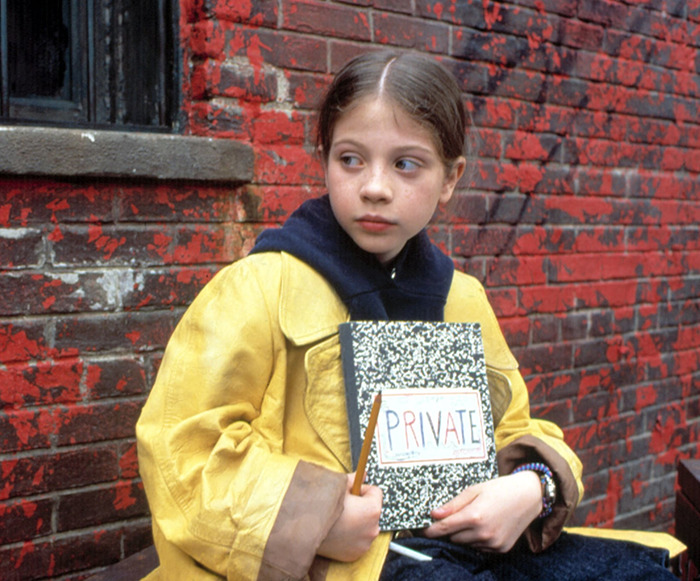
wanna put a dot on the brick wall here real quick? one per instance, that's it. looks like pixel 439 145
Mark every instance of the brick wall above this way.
pixel 582 221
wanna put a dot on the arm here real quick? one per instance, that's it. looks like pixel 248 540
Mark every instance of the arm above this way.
pixel 491 515
pixel 494 514
pixel 210 437
pixel 519 438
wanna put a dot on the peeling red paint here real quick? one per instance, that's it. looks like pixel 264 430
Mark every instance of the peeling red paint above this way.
pixel 665 440
pixel 103 242
pixel 526 146
pixel 123 498
pixel 492 12
pixel 523 177
pixel 28 508
pixel 16 346
pixel 38 476
pixel 128 463
pixel 27 549
pixel 133 336
pixel 5 210
pixel 606 509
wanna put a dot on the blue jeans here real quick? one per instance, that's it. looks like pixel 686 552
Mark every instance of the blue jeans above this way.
pixel 570 558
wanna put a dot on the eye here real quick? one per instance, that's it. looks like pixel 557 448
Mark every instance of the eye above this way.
pixel 349 160
pixel 407 165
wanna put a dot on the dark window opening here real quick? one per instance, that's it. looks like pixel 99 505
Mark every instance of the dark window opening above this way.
pixel 89 63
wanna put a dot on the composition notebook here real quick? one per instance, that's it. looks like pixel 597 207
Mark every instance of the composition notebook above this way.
pixel 434 433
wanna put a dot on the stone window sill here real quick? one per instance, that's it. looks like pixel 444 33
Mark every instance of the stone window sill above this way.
pixel 75 153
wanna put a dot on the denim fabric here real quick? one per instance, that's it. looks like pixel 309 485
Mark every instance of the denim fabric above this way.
pixel 570 558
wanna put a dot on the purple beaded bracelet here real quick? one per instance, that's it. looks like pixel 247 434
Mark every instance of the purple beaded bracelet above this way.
pixel 548 485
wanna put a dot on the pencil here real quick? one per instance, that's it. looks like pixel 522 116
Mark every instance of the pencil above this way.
pixel 366 446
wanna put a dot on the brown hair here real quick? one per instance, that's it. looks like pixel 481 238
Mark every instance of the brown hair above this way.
pixel 421 86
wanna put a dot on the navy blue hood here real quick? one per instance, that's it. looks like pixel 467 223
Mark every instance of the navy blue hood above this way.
pixel 413 287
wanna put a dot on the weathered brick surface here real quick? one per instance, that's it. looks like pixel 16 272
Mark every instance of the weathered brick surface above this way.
pixel 580 216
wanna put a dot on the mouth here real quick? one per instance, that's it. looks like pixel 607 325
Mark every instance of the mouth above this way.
pixel 373 223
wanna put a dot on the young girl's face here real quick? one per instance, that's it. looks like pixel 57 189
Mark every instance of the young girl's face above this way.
pixel 385 176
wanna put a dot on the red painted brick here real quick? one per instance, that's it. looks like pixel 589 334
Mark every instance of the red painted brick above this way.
pixel 271 127
pixel 26 293
pixel 21 248
pixel 547 299
pixel 190 203
pixel 604 12
pixel 106 504
pixel 405 6
pixel 86 550
pixel 80 424
pixel 470 241
pixel 137 536
pixel 407 32
pixel 521 271
pixel 25 430
pixel 504 302
pixel 24 520
pixel 545 358
pixel 516 330
pixel 325 19
pixel 255 12
pixel 289 165
pixel 128 460
pixel 97 333
pixel 288 50
pixel 341 51
pixel 167 288
pixel 42 383
pixel 117 377
pixel 50 471
pixel 306 89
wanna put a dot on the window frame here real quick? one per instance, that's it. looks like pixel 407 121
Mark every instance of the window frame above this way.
pixel 97 93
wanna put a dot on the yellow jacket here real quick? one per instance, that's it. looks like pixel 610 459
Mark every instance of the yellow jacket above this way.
pixel 243 442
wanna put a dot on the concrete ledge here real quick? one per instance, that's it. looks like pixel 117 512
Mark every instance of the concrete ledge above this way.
pixel 47 151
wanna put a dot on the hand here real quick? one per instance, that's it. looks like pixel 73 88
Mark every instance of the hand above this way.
pixel 358 525
pixel 491 515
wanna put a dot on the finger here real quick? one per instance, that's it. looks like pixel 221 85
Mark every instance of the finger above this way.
pixel 350 480
pixel 372 492
pixel 464 498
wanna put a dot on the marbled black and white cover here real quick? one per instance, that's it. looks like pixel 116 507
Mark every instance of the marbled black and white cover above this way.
pixel 381 356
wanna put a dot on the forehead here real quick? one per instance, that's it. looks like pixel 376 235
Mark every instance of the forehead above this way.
pixel 381 114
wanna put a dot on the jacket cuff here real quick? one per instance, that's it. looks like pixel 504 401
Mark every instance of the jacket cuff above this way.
pixel 543 532
pixel 309 509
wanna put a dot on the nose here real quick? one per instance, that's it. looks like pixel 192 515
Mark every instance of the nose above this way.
pixel 376 187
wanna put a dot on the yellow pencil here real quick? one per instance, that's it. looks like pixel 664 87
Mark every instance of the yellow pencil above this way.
pixel 366 445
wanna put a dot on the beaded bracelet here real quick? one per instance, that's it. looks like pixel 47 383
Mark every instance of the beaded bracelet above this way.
pixel 548 485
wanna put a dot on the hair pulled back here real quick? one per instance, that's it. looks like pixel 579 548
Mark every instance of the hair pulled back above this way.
pixel 422 87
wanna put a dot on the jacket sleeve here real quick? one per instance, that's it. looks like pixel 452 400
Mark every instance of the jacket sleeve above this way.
pixel 521 439
pixel 210 441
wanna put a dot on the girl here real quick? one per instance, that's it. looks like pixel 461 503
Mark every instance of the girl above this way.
pixel 243 443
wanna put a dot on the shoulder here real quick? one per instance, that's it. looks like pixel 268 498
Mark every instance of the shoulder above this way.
pixel 467 302
pixel 307 307
pixel 465 286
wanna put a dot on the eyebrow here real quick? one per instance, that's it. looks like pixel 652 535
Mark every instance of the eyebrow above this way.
pixel 399 149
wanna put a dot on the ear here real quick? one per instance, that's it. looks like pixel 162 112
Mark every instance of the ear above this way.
pixel 452 177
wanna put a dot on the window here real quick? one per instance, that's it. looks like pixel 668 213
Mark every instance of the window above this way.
pixel 89 63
